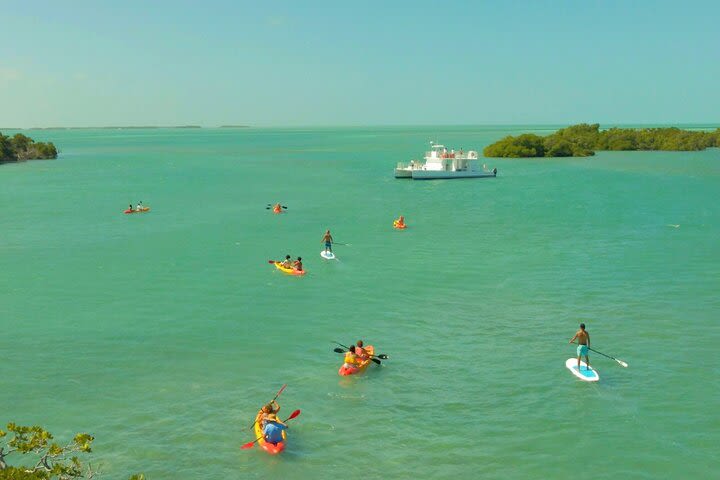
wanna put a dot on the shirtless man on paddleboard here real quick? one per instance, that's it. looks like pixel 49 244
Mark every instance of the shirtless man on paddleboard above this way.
pixel 583 338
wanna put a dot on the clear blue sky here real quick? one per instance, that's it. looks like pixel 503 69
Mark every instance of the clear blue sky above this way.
pixel 297 63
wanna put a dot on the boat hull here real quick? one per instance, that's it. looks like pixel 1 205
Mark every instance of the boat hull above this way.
pixel 442 175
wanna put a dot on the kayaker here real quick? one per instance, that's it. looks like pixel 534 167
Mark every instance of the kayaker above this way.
pixel 400 222
pixel 360 351
pixel 277 208
pixel 287 263
pixel 327 238
pixel 583 338
pixel 298 264
pixel 267 412
pixel 140 206
pixel 351 360
pixel 273 430
pixel 130 208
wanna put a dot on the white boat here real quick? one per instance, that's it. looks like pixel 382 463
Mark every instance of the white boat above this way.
pixel 441 163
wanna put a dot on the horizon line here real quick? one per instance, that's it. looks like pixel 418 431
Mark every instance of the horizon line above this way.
pixel 230 127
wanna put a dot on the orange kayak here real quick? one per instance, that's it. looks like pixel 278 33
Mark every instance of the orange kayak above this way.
pixel 351 370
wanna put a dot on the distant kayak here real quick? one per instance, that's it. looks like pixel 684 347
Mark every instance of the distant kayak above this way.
pixel 587 374
pixel 352 370
pixel 142 210
pixel 289 271
pixel 327 255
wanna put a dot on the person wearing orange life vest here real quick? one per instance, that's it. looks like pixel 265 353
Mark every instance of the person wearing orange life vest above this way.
pixel 400 222
pixel 360 352
pixel 351 359
pixel 277 208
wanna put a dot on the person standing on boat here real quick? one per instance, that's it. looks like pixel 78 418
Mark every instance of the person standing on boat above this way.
pixel 327 238
pixel 583 338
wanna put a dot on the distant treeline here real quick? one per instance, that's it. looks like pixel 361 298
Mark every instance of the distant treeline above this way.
pixel 19 147
pixel 583 140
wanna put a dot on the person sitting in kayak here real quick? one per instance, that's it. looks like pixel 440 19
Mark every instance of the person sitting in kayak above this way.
pixel 400 222
pixel 360 351
pixel 267 412
pixel 327 238
pixel 140 206
pixel 287 263
pixel 273 430
pixel 298 264
pixel 277 208
pixel 351 359
pixel 130 208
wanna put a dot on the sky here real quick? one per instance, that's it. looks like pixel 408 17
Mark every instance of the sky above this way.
pixel 343 63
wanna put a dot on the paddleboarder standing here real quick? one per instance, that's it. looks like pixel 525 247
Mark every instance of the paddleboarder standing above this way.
pixel 328 240
pixel 583 338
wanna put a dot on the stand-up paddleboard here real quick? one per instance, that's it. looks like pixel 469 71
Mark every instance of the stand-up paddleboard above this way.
pixel 327 255
pixel 585 373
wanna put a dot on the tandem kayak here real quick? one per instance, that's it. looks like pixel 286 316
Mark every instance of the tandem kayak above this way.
pixel 142 210
pixel 345 371
pixel 289 271
pixel 271 448
pixel 399 226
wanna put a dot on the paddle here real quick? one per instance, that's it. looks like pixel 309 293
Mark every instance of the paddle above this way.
pixel 374 358
pixel 344 244
pixel 271 401
pixel 270 206
pixel 250 444
pixel 620 362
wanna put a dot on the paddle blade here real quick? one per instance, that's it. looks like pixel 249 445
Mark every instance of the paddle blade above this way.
pixel 293 415
pixel 284 207
pixel 338 350
pixel 622 364
pixel 248 445
pixel 376 361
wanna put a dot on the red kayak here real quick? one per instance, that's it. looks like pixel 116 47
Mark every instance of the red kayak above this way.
pixel 351 370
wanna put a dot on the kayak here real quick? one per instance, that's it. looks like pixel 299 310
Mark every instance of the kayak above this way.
pixel 345 371
pixel 289 271
pixel 142 210
pixel 272 449
pixel 399 226
pixel 587 374
pixel 327 255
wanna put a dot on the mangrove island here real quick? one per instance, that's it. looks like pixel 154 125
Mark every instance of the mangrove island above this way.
pixel 20 147
pixel 584 140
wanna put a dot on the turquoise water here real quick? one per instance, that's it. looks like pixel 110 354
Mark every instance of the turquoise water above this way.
pixel 161 334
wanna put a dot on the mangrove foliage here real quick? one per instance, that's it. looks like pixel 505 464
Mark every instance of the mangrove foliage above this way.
pixel 20 147
pixel 584 140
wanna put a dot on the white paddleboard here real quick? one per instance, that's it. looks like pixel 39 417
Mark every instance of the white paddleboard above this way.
pixel 585 373
pixel 327 255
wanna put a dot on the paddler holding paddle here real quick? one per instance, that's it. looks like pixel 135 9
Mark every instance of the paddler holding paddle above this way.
pixel 583 338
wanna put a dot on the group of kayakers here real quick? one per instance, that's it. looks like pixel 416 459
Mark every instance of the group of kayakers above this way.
pixel 140 207
pixel 356 355
pixel 271 426
pixel 289 263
